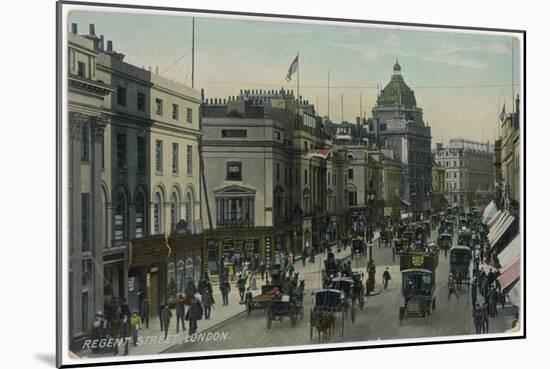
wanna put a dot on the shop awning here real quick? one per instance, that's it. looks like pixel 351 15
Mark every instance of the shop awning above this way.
pixel 510 273
pixel 494 219
pixel 406 215
pixel 510 252
pixel 405 203
pixel 489 212
pixel 502 228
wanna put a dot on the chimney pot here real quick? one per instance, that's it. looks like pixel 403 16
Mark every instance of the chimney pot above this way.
pixel 92 29
pixel 74 28
pixel 109 45
pixel 101 42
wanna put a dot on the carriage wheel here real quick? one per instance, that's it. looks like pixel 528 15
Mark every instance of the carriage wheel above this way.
pixel 342 333
pixel 293 318
pixel 311 324
pixel 268 319
pixel 362 300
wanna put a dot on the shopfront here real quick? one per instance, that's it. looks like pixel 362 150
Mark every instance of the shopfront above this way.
pixel 185 262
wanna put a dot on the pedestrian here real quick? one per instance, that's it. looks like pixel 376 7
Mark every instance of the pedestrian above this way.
pixel 304 257
pixel 135 323
pixel 225 288
pixel 98 329
pixel 161 308
pixel 493 300
pixel 452 286
pixel 473 291
pixel 241 285
pixel 125 332
pixel 166 316
pixel 144 311
pixel 484 318
pixel 180 313
pixel 477 318
pixel 207 302
pixel 262 268
pixel 194 314
pixel 386 277
pixel 253 286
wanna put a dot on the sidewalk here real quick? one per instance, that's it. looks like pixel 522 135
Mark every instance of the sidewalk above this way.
pixel 153 337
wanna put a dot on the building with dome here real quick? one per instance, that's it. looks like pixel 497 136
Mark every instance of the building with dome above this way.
pixel 397 124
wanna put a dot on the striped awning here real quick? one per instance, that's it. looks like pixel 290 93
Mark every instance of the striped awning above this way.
pixel 510 273
pixel 499 229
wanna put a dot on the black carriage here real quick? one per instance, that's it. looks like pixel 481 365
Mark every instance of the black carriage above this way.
pixel 460 257
pixel 418 286
pixel 445 241
pixel 358 248
pixel 281 307
pixel 326 311
pixel 386 236
pixel 345 285
pixel 269 292
pixel 465 238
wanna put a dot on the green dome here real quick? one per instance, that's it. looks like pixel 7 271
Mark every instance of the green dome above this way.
pixel 397 91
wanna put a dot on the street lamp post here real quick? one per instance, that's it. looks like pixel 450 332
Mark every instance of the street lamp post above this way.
pixel 371 270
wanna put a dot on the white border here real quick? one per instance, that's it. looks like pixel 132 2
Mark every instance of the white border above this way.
pixel 66 360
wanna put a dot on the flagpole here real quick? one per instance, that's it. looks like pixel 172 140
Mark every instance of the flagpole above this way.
pixel 298 79
pixel 328 94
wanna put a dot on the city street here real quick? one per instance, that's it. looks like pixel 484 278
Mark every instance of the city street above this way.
pixel 378 321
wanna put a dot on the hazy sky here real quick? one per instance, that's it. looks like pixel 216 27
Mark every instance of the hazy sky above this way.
pixel 460 80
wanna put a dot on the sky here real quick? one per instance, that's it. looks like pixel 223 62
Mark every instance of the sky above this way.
pixel 461 80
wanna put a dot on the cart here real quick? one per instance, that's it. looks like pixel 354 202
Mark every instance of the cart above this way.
pixel 327 311
pixel 280 307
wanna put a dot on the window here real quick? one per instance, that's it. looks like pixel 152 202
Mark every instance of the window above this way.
pixel 305 145
pixel 175 111
pixel 121 150
pixel 158 156
pixel 233 132
pixel 328 178
pixel 157 214
pixel 140 215
pixel 235 212
pixel 305 176
pixel 173 211
pixel 142 154
pixel 234 171
pixel 121 96
pixel 277 135
pixel 85 144
pixel 383 126
pixel 141 101
pixel 120 210
pixel 85 215
pixel 81 69
pixel 158 103
pixel 278 174
pixel 189 208
pixel 175 162
pixel 189 160
pixel 350 173
pixel 296 177
pixel 352 198
pixel 189 115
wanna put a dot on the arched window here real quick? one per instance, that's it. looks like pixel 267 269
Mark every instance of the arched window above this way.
pixel 307 201
pixel 174 213
pixel 120 217
pixel 140 215
pixel 157 213
pixel 104 213
pixel 189 208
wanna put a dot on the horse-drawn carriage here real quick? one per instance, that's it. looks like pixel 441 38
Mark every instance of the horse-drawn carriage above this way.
pixel 386 236
pixel 281 307
pixel 445 241
pixel 460 264
pixel 358 247
pixel 353 293
pixel 327 309
pixel 269 292
pixel 465 237
pixel 418 284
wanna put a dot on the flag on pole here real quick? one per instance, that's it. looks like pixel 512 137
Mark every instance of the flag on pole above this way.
pixel 293 68
pixel 503 114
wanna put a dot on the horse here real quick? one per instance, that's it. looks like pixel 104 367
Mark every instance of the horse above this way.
pixel 325 323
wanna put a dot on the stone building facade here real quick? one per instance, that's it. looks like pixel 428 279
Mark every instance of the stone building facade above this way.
pixel 133 176
pixel 469 172
pixel 397 124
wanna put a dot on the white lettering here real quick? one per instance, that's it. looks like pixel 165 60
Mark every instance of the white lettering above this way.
pixel 86 344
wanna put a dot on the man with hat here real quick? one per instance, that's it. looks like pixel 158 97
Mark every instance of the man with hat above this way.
pixel 135 324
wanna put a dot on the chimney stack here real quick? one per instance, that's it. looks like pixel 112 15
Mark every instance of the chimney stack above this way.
pixel 74 28
pixel 109 46
pixel 92 29
pixel 101 43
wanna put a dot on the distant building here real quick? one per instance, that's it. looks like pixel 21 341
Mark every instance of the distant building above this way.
pixel 275 181
pixel 507 162
pixel 469 172
pixel 439 189
pixel 397 124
